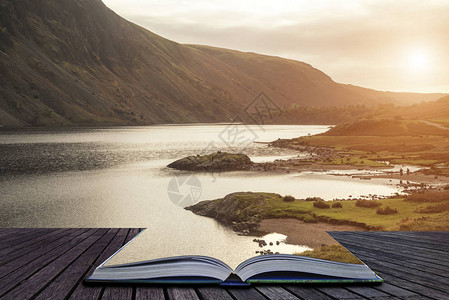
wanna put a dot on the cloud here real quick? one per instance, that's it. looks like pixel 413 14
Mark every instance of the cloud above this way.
pixel 360 42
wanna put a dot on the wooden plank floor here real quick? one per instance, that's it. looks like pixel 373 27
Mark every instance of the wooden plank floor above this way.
pixel 52 263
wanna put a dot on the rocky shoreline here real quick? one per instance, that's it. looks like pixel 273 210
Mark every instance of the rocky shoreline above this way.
pixel 316 159
pixel 243 212
pixel 321 158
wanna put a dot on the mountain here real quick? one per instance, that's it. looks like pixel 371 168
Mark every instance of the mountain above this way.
pixel 76 62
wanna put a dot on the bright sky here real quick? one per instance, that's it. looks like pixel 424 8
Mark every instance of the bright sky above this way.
pixel 400 45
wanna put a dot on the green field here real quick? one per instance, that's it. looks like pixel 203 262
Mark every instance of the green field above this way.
pixel 358 161
pixel 409 216
pixel 332 252
pixel 368 143
pixel 430 151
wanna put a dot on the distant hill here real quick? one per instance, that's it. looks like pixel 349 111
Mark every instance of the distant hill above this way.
pixel 436 112
pixel 76 62
pixel 388 127
pixel 433 110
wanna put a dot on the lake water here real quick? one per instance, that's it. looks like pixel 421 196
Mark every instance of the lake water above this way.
pixel 116 177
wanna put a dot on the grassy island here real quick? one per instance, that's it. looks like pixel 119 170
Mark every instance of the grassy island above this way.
pixel 217 162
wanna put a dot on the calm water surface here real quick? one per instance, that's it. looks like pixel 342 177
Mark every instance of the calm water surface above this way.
pixel 116 177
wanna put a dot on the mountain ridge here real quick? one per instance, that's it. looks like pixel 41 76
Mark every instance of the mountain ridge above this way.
pixel 76 62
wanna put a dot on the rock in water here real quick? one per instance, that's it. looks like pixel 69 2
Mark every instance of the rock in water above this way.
pixel 242 211
pixel 218 161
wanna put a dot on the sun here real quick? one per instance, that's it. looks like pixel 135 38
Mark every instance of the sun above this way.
pixel 418 60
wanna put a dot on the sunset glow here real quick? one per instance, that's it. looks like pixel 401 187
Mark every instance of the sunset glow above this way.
pixel 419 61
pixel 336 37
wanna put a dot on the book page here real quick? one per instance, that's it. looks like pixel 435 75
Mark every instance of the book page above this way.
pixel 315 236
pixel 171 241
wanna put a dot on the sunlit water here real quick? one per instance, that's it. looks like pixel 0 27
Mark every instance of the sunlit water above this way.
pixel 276 242
pixel 116 177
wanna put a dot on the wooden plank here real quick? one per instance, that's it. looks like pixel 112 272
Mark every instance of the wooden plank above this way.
pixel 13 233
pixel 398 292
pixel 338 292
pixel 39 280
pixel 396 248
pixel 419 239
pixel 411 251
pixel 62 265
pixel 396 258
pixel 148 293
pixel 307 292
pixel 402 278
pixel 411 236
pixel 93 291
pixel 118 293
pixel 20 262
pixel 124 291
pixel 8 232
pixel 368 292
pixel 427 236
pixel 275 292
pixel 213 293
pixel 8 249
pixel 21 236
pixel 246 293
pixel 132 233
pixel 418 278
pixel 32 264
pixel 388 250
pixel 437 247
pixel 404 283
pixel 178 293
pixel 19 254
pixel 395 242
pixel 424 236
pixel 61 286
pixel 398 262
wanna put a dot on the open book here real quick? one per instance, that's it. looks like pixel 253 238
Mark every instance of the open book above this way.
pixel 141 260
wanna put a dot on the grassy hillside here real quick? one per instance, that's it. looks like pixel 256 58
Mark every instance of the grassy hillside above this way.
pixel 418 134
pixel 429 150
pixel 75 62
pixel 434 111
pixel 421 211
pixel 387 127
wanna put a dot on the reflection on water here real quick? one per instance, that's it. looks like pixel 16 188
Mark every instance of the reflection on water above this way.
pixel 275 243
pixel 389 169
pixel 266 158
pixel 45 150
pixel 117 177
